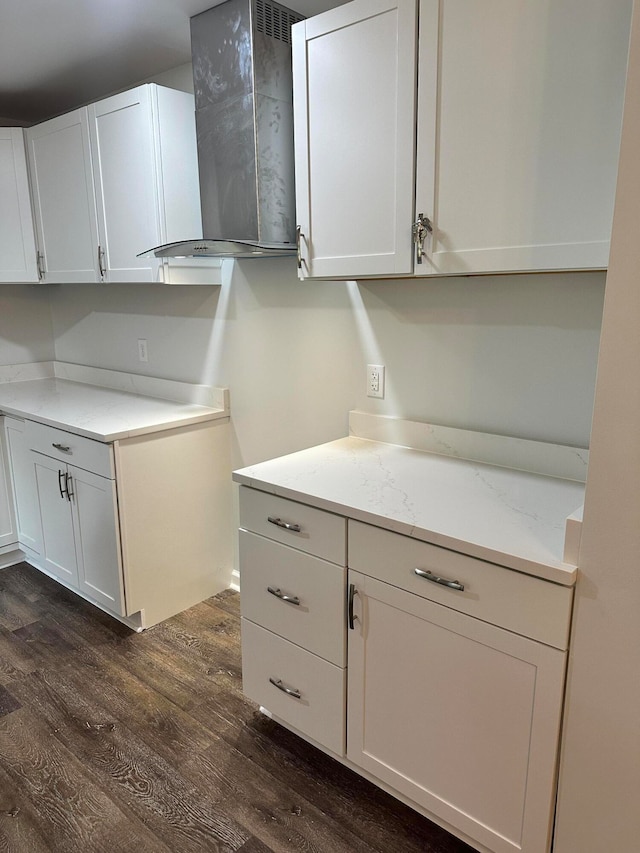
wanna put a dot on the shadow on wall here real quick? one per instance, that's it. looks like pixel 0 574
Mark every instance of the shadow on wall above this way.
pixel 286 349
pixel 26 332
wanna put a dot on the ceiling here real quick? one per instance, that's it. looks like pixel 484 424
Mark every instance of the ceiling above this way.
pixel 55 56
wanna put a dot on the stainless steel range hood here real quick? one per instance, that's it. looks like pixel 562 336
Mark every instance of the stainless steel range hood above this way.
pixel 241 53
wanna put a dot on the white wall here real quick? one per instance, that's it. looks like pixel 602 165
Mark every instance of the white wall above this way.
pixel 180 77
pixel 600 761
pixel 510 354
pixel 26 332
pixel 286 350
pixel 504 354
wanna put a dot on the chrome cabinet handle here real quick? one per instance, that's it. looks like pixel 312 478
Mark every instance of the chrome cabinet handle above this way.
pixel 61 477
pixel 292 599
pixel 40 265
pixel 352 594
pixel 68 481
pixel 277 682
pixel 101 266
pixel 429 576
pixel 298 246
pixel 421 227
pixel 285 524
pixel 64 447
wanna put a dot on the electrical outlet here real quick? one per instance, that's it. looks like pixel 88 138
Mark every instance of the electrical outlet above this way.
pixel 143 352
pixel 375 380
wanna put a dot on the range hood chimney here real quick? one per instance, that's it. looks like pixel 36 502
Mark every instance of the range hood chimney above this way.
pixel 241 52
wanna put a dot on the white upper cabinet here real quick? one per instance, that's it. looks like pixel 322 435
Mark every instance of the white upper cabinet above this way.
pixel 517 124
pixel 112 180
pixel 17 244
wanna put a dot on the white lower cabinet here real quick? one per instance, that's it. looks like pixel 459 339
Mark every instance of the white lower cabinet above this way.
pixel 140 527
pixel 452 694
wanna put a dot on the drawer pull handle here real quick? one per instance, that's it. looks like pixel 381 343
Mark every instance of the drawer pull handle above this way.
pixel 280 523
pixel 429 576
pixel 292 599
pixel 64 447
pixel 277 682
pixel 62 478
pixel 352 594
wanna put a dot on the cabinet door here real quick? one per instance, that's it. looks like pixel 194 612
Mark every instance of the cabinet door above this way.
pixel 63 197
pixel 97 541
pixel 354 93
pixel 8 534
pixel 58 555
pixel 24 486
pixel 458 715
pixel 124 163
pixel 17 241
pixel 529 105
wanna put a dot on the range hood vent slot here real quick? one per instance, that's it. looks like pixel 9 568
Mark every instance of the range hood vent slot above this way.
pixel 275 21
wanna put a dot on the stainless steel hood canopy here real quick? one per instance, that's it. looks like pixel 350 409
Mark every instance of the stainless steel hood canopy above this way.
pixel 241 53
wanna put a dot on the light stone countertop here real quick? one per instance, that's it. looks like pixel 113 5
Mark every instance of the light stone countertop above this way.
pixel 102 413
pixel 510 517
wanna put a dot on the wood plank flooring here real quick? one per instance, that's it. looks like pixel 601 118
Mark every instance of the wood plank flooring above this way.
pixel 115 741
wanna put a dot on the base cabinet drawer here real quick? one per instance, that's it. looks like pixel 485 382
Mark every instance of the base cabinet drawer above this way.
pixel 295 685
pixel 527 605
pixel 303 527
pixel 295 595
pixel 68 447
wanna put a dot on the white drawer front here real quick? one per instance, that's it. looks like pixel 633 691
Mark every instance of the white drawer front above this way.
pixel 319 709
pixel 65 446
pixel 313 614
pixel 304 527
pixel 526 605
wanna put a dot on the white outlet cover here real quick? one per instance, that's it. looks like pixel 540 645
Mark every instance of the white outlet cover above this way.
pixel 375 380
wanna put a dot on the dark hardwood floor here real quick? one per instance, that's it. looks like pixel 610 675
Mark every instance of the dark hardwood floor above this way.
pixel 115 741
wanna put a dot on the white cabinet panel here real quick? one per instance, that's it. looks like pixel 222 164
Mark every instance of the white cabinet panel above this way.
pixel 24 485
pixel 58 548
pixel 529 98
pixel 460 716
pixel 80 534
pixel 354 90
pixel 97 539
pixel 8 532
pixel 17 241
pixel 126 183
pixel 64 198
